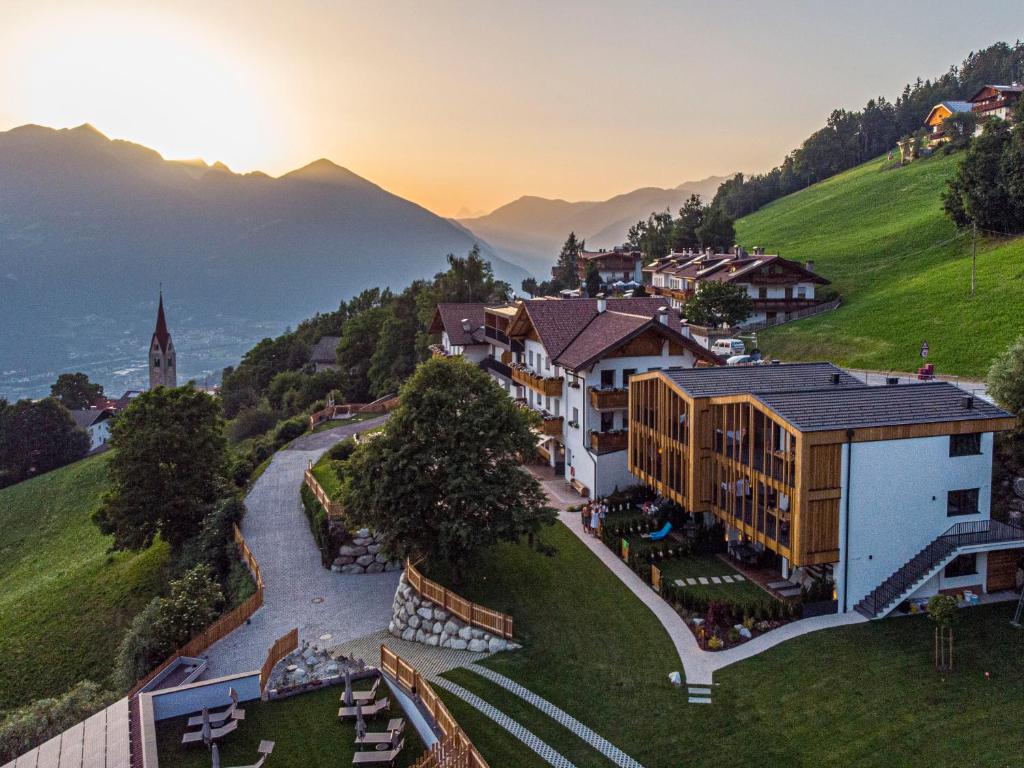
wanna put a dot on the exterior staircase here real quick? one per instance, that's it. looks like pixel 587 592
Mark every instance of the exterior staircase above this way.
pixel 933 557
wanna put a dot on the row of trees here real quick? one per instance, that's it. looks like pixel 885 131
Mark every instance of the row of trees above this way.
pixel 988 189
pixel 853 137
pixel 383 336
pixel 37 437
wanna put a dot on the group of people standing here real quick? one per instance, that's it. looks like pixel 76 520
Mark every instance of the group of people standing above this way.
pixel 593 514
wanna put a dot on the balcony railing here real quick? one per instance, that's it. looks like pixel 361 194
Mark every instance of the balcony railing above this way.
pixel 678 294
pixel 609 399
pixel 496 335
pixel 607 442
pixel 549 386
pixel 552 426
pixel 490 364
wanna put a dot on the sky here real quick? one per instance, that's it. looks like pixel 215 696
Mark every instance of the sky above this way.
pixel 464 106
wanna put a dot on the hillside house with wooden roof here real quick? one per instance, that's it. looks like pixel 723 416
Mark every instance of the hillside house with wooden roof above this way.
pixel 995 101
pixel 778 287
pixel 884 490
pixel 617 265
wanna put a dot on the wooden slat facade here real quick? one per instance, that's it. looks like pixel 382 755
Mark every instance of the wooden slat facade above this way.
pixel 753 470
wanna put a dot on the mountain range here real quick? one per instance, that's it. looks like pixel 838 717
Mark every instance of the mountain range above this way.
pixel 91 227
pixel 530 231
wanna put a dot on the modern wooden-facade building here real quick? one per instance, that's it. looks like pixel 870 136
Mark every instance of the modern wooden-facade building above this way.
pixel 806 462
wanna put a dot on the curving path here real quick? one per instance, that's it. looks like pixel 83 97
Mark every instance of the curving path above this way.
pixel 298 590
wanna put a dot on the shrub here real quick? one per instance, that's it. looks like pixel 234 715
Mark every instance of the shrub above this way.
pixel 214 544
pixel 289 430
pixel 167 623
pixel 28 727
pixel 341 451
pixel 251 422
pixel 318 524
pixel 733 635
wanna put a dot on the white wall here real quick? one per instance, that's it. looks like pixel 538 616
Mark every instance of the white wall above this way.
pixel 898 504
pixel 99 434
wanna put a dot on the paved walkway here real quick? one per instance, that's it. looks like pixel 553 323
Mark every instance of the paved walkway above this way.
pixel 534 742
pixel 298 590
pixel 699 665
pixel 560 716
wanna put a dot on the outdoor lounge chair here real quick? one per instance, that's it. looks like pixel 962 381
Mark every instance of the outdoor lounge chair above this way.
pixel 385 757
pixel 193 737
pixel 369 710
pixel 390 736
pixel 361 697
pixel 218 718
pixel 658 535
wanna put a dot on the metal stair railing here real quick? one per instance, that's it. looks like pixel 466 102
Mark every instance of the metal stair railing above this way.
pixel 959 535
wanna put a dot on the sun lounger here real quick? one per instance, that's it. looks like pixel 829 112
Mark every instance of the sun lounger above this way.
pixel 364 696
pixel 384 757
pixel 193 737
pixel 369 710
pixel 218 718
pixel 395 728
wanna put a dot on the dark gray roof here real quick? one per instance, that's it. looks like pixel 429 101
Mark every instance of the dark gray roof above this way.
pixel 741 379
pixel 862 406
pixel 86 417
pixel 324 351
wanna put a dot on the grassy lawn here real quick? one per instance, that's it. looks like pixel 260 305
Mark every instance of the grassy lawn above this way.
pixel 865 695
pixel 694 566
pixel 876 234
pixel 305 731
pixel 498 747
pixel 64 602
pixel 325 474
pixel 326 426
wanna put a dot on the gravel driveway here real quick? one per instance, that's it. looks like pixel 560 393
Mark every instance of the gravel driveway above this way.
pixel 298 590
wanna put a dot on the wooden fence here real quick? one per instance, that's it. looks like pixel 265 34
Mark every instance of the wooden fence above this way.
pixel 656 578
pixel 454 750
pixel 333 508
pixel 494 622
pixel 281 648
pixel 224 626
pixel 383 405
pixel 789 317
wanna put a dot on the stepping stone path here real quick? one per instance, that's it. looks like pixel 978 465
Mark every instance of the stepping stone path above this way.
pixel 716 580
pixel 702 579
pixel 737 577
pixel 698 694
pixel 691 581
pixel 727 579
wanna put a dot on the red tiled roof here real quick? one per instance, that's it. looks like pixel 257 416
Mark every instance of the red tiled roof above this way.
pixel 449 317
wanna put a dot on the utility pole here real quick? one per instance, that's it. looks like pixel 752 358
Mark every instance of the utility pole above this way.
pixel 974 255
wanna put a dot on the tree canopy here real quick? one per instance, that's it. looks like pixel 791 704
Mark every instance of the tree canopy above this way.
pixel 36 437
pixel 717 304
pixel 1006 378
pixel 74 391
pixel 167 469
pixel 443 480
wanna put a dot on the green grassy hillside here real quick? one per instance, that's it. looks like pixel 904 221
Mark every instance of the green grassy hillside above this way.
pixel 64 602
pixel 883 240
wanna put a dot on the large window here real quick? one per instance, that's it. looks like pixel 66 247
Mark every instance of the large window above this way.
pixel 965 445
pixel 962 565
pixel 607 379
pixel 962 502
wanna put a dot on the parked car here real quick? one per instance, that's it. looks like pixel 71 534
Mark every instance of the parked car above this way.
pixel 729 347
pixel 741 360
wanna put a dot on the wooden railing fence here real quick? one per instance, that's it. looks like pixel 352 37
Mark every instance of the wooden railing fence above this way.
pixel 383 405
pixel 656 578
pixel 224 626
pixel 799 314
pixel 495 622
pixel 454 749
pixel 281 648
pixel 333 508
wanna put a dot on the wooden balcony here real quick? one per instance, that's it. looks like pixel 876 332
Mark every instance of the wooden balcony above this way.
pixel 609 399
pixel 608 442
pixel 672 293
pixel 552 426
pixel 551 387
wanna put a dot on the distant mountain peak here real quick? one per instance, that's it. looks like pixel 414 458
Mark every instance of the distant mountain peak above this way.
pixel 89 128
pixel 325 171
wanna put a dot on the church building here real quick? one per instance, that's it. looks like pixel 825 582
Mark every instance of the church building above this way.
pixel 162 363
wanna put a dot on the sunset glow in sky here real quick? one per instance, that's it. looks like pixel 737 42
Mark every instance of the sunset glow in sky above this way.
pixel 466 106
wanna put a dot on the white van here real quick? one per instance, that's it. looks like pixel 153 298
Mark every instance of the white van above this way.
pixel 728 347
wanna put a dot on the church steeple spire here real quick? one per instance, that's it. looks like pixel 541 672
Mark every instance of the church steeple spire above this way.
pixel 162 363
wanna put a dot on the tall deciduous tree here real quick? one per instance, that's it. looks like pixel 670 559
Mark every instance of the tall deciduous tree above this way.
pixel 652 237
pixel 1006 378
pixel 36 437
pixel 74 390
pixel 717 230
pixel 691 217
pixel 717 304
pixel 444 480
pixel 167 468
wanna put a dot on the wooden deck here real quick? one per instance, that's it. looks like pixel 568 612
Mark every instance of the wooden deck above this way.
pixel 99 742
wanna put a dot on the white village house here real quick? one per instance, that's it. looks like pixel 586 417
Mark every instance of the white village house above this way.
pixel 95 421
pixel 571 360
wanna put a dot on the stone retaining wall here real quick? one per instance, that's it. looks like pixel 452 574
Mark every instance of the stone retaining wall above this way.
pixel 419 620
pixel 362 554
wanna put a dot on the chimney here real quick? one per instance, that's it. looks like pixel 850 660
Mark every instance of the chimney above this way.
pixel 663 315
pixel 892 381
pixel 602 303
pixel 967 402
pixel 466 325
pixel 834 378
pixel 809 266
pixel 684 329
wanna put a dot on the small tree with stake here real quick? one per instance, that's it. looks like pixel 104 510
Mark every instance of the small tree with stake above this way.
pixel 942 610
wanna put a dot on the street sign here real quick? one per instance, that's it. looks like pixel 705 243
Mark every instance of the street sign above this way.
pixel 924 349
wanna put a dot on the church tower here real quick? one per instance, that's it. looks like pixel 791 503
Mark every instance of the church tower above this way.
pixel 163 370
